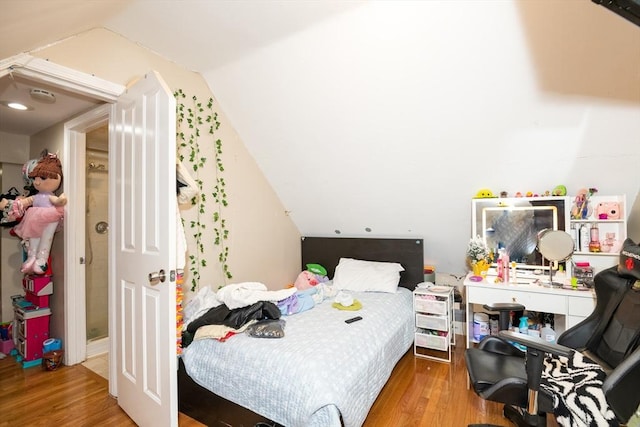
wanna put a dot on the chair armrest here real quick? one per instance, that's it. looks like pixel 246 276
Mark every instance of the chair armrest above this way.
pixel 621 385
pixel 536 350
pixel 504 306
pixel 497 345
pixel 537 343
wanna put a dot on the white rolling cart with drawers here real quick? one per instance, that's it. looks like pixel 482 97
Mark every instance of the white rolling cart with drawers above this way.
pixel 433 311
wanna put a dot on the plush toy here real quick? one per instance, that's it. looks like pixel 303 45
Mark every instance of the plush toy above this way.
pixel 305 280
pixel 11 212
pixel 27 168
pixel 9 217
pixel 42 214
pixel 484 193
pixel 610 244
pixel 582 208
pixel 559 190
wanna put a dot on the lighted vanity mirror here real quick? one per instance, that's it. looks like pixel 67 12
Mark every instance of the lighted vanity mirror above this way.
pixel 514 223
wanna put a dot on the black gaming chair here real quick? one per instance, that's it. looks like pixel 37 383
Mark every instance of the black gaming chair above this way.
pixel 610 336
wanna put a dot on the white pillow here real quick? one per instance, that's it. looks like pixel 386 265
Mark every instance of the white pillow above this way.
pixel 362 276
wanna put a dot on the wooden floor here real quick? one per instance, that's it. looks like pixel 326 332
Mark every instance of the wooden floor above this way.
pixel 423 392
pixel 419 393
pixel 70 396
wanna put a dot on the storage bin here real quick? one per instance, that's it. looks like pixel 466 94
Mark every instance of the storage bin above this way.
pixel 432 322
pixel 431 306
pixel 6 346
pixel 52 359
pixel 435 342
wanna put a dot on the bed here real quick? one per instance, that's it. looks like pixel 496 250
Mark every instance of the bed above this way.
pixel 324 372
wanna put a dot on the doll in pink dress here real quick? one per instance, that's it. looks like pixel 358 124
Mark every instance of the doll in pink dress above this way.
pixel 42 214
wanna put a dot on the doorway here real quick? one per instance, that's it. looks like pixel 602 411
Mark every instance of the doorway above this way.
pixel 96 241
pixel 71 325
pixel 87 144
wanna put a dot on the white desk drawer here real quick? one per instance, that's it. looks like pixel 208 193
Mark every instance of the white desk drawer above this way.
pixel 581 306
pixel 533 301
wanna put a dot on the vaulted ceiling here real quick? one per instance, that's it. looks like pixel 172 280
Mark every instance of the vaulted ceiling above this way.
pixel 215 32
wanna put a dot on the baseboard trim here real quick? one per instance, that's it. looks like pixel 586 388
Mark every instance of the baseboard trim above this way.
pixel 100 346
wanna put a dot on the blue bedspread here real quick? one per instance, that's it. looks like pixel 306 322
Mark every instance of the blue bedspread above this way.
pixel 321 370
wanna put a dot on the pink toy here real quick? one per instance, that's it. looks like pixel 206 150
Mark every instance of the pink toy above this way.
pixel 305 280
pixel 610 244
pixel 582 208
pixel 608 210
pixel 42 214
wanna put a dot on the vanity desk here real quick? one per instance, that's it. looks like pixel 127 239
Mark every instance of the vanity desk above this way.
pixel 568 305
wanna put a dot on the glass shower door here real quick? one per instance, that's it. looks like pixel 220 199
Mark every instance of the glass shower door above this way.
pixel 97 261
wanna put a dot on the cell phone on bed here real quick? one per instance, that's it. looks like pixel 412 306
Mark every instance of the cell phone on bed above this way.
pixel 353 319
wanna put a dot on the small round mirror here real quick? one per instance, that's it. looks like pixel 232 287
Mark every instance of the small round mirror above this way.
pixel 556 246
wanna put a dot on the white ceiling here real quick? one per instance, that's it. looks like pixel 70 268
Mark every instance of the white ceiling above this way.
pixel 231 29
pixel 43 114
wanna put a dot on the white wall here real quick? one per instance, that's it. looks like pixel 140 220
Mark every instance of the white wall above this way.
pixel 15 148
pixel 392 115
pixel 264 244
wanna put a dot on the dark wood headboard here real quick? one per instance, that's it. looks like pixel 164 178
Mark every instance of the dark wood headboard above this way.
pixel 327 252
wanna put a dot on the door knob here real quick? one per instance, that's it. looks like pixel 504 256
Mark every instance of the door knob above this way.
pixel 155 278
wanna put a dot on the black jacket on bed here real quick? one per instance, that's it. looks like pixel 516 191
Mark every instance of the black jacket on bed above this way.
pixel 236 318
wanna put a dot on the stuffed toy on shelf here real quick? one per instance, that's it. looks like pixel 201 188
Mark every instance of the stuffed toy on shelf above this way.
pixel 42 214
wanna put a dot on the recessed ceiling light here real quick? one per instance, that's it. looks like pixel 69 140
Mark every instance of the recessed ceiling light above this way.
pixel 42 96
pixel 16 105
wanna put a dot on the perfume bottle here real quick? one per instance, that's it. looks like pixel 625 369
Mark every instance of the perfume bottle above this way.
pixel 584 238
pixel 594 238
pixel 574 236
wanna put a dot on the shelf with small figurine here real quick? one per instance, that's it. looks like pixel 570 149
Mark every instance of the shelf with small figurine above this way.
pixel 596 222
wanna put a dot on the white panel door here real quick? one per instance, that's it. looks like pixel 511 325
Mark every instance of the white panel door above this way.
pixel 143 211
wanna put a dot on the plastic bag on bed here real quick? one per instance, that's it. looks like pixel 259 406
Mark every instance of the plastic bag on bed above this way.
pixel 267 329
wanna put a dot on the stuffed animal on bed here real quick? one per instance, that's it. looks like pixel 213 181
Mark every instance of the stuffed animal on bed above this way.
pixel 305 280
pixel 42 214
pixel 315 277
pixel 314 274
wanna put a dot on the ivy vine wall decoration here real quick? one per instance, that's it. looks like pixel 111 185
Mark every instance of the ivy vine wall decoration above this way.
pixel 197 124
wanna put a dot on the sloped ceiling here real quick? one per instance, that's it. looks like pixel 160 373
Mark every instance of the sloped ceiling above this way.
pixel 200 35
pixel 385 118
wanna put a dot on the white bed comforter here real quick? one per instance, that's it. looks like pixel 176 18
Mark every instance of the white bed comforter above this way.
pixel 322 369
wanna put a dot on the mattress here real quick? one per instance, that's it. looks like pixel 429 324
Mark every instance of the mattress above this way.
pixel 321 372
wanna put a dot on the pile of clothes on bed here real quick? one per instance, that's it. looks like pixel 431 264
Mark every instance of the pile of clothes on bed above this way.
pixel 250 307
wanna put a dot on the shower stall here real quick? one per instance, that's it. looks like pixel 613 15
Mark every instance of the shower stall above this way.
pixel 96 250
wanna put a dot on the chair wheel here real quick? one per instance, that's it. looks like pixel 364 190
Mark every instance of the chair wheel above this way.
pixel 520 418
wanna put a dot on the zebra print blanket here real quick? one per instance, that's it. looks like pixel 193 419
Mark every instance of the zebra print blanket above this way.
pixel 576 385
